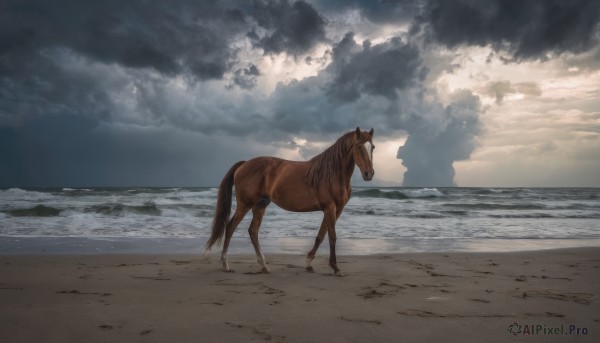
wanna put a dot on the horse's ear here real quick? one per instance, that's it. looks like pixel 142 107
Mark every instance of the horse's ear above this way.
pixel 371 133
pixel 357 131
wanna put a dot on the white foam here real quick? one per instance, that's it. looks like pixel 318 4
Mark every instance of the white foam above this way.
pixel 18 194
pixel 423 193
pixel 16 191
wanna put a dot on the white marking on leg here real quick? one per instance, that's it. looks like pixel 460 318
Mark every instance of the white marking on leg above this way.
pixel 260 257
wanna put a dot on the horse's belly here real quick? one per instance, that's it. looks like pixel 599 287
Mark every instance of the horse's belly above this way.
pixel 295 201
pixel 293 207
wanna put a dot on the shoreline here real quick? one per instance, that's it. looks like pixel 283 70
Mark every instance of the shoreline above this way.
pixel 465 296
pixel 10 245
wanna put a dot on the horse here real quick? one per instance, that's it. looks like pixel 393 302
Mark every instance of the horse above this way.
pixel 319 184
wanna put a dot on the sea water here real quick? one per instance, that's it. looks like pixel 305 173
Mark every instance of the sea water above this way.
pixel 374 220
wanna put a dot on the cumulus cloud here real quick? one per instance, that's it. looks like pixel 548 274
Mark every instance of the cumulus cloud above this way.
pixel 439 133
pixel 436 140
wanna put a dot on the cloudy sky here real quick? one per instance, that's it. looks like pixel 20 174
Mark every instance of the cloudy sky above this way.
pixel 172 93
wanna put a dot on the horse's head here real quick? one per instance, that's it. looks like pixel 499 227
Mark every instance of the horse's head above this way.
pixel 363 153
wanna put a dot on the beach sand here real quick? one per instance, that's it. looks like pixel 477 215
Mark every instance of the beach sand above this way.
pixel 436 297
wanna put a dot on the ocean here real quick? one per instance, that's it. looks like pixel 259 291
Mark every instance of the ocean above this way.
pixel 375 220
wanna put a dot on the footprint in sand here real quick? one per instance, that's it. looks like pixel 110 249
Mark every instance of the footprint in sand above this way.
pixel 580 298
pixel 480 300
pixel 429 314
pixel 383 289
pixel 261 331
pixel 358 320
pixel 145 332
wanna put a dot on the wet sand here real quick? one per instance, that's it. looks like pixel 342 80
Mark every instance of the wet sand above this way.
pixel 451 297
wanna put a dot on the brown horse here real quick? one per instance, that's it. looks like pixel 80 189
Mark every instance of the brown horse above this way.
pixel 320 184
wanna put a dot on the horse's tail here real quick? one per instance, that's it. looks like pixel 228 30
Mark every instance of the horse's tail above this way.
pixel 223 209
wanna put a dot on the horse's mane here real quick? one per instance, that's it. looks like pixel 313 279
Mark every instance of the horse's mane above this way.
pixel 328 163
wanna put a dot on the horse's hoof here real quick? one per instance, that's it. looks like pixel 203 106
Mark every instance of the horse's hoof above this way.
pixel 265 270
pixel 228 270
pixel 310 269
pixel 339 273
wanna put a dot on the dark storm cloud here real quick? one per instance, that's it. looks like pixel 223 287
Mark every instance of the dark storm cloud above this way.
pixel 104 59
pixel 530 29
pixel 179 37
pixel 381 70
pixel 526 30
pixel 80 57
pixel 382 11
pixel 37 85
pixel 290 27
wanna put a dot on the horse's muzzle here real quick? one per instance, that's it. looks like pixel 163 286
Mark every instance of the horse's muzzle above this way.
pixel 368 175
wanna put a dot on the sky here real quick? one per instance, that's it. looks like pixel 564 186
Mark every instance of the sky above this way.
pixel 154 93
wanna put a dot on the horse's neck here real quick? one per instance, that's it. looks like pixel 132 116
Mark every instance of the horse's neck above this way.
pixel 348 165
pixel 332 165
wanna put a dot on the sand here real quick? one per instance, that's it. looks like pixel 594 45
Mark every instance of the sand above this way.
pixel 449 297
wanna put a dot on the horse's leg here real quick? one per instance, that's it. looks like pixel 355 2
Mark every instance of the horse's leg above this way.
pixel 329 218
pixel 320 236
pixel 332 257
pixel 258 212
pixel 239 214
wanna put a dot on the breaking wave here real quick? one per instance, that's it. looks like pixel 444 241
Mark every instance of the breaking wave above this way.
pixel 119 210
pixel 36 211
pixel 398 194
